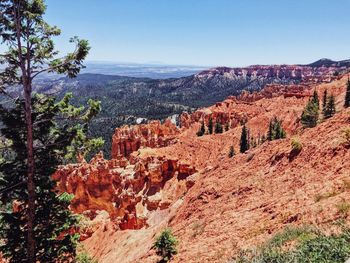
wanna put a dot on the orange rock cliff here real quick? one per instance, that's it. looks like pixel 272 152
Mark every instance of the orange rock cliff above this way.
pixel 161 175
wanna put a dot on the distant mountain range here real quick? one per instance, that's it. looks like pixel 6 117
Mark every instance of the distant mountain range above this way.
pixel 128 99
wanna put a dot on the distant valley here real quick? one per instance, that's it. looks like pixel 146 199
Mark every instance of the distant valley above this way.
pixel 128 100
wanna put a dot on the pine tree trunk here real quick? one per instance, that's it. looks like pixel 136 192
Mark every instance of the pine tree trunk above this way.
pixel 27 88
pixel 30 173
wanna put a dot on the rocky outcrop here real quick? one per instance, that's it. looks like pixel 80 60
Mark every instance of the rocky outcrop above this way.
pixel 237 109
pixel 290 72
pixel 126 191
pixel 128 139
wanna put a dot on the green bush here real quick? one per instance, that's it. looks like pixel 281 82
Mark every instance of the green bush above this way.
pixel 310 246
pixel 84 257
pixel 166 245
pixel 296 145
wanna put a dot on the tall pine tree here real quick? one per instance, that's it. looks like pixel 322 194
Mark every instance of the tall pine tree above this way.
pixel 31 52
pixel 276 130
pixel 210 125
pixel 55 141
pixel 315 99
pixel 347 95
pixel 324 102
pixel 244 142
pixel 330 107
pixel 309 117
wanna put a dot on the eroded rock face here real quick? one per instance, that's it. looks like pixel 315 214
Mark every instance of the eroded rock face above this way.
pixel 128 139
pixel 126 191
pixel 235 110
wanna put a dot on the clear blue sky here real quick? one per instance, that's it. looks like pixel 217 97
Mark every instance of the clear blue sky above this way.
pixel 206 32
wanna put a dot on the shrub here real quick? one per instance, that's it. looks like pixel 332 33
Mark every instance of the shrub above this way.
pixel 166 245
pixel 302 245
pixel 201 130
pixel 218 128
pixel 231 152
pixel 296 145
pixel 346 135
pixel 84 257
pixel 343 208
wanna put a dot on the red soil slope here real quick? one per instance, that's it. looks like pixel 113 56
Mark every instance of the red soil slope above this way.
pixel 232 203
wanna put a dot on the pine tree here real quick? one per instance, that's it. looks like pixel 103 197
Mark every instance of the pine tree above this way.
pixel 30 53
pixel 315 99
pixel 166 245
pixel 201 131
pixel 218 127
pixel 309 116
pixel 210 125
pixel 53 145
pixel 276 130
pixel 244 143
pixel 347 95
pixel 330 107
pixel 324 102
pixel 231 152
pixel 270 132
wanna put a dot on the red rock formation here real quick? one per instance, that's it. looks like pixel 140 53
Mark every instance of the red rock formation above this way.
pixel 292 72
pixel 128 139
pixel 121 188
pixel 235 110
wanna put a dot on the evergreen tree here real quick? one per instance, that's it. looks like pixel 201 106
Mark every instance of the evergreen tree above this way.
pixel 218 127
pixel 244 143
pixel 276 130
pixel 54 143
pixel 315 99
pixel 210 125
pixel 231 152
pixel 324 102
pixel 270 132
pixel 30 53
pixel 166 245
pixel 309 116
pixel 330 107
pixel 347 95
pixel 201 131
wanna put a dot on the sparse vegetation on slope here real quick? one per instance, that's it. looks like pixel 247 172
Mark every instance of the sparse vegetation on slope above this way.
pixel 302 245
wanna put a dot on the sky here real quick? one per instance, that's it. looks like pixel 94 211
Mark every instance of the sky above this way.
pixel 206 32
